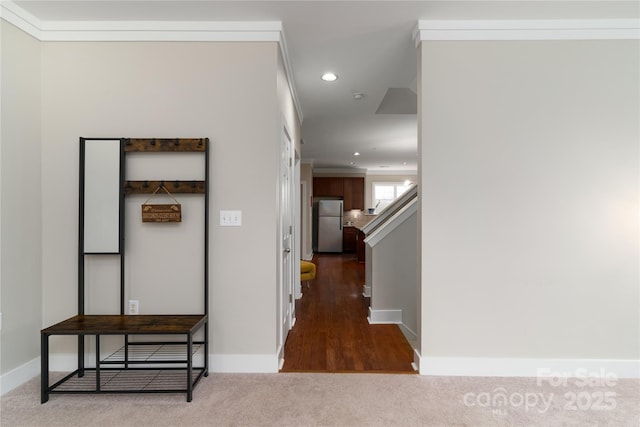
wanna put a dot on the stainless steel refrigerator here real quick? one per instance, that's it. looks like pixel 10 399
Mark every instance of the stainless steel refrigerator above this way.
pixel 330 226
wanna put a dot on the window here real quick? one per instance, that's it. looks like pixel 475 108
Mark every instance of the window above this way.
pixel 386 192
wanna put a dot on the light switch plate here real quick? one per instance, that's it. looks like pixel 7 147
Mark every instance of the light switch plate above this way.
pixel 230 218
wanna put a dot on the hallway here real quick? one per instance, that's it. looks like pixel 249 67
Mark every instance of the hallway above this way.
pixel 332 334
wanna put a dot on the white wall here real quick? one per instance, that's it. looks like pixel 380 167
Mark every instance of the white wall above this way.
pixel 224 91
pixel 529 199
pixel 392 275
pixel 20 191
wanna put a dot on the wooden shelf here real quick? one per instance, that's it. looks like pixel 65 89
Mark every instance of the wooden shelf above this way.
pixel 132 145
pixel 148 187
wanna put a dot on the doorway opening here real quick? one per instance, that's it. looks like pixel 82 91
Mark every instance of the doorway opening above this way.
pixel 332 333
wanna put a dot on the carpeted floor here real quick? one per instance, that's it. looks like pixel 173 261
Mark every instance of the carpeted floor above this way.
pixel 305 399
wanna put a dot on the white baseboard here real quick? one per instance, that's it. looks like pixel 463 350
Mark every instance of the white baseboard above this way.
pixel 366 292
pixel 243 363
pixel 308 257
pixel 416 360
pixel 433 366
pixel 238 363
pixel 67 362
pixel 384 316
pixel 521 367
pixel 20 375
pixel 410 335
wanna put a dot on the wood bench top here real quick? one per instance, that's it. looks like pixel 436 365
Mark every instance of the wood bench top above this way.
pixel 128 324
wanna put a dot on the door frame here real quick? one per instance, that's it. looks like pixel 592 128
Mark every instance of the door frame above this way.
pixel 287 247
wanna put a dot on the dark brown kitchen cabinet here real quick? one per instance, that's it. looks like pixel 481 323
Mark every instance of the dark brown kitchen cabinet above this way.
pixel 349 236
pixel 350 189
pixel 360 246
pixel 353 193
pixel 328 187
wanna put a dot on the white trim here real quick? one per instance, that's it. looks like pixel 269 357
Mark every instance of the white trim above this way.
pixel 366 291
pixel 391 172
pixel 289 71
pixel 67 362
pixel 390 210
pixel 520 367
pixel 281 356
pixel 394 222
pixel 409 334
pixel 159 31
pixel 329 172
pixel 382 317
pixel 22 19
pixel 140 30
pixel 244 363
pixel 522 29
pixel 416 360
pixel 20 375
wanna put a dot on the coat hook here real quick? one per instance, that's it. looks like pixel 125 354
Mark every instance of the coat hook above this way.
pixel 145 184
pixel 153 141
pixel 200 143
pixel 176 184
pixel 176 142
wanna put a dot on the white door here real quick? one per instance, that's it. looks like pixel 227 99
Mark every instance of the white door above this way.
pixel 286 300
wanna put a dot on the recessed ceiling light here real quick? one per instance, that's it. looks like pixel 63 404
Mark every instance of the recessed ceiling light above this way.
pixel 356 154
pixel 329 77
pixel 352 163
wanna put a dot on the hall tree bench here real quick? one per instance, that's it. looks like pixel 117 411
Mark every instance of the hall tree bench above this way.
pixel 160 353
pixel 137 367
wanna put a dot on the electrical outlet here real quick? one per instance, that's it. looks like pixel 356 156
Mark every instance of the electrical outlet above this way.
pixel 134 306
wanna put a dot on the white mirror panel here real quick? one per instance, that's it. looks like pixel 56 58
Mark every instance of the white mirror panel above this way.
pixel 102 196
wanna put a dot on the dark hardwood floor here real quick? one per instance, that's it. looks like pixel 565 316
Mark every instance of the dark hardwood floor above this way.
pixel 332 334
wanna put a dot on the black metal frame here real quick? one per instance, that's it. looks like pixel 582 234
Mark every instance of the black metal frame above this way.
pixel 187 363
pixel 124 369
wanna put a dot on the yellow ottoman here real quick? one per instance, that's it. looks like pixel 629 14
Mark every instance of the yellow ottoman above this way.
pixel 307 271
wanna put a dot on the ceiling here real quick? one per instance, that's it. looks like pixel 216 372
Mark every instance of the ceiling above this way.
pixel 368 44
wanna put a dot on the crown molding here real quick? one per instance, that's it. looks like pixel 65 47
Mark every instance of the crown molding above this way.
pixel 392 172
pixel 22 19
pixel 548 29
pixel 148 31
pixel 243 31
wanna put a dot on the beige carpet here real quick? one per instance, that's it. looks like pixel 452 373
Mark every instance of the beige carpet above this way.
pixel 307 399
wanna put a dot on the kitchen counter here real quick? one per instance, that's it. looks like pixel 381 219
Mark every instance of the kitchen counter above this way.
pixel 358 222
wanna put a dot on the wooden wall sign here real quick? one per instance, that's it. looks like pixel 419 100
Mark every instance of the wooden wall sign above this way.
pixel 161 212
